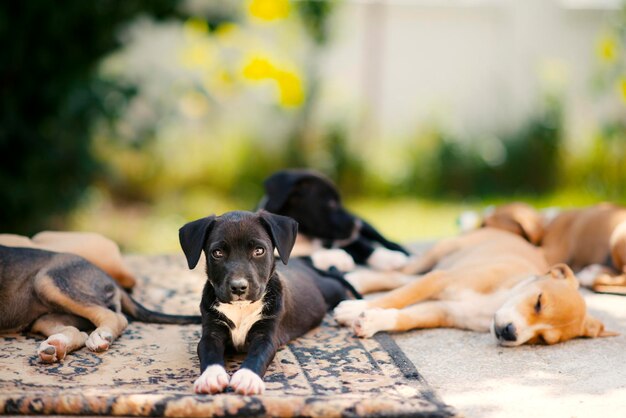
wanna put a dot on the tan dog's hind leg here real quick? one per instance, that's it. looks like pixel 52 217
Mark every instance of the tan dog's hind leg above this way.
pixel 109 324
pixel 610 283
pixel 369 281
pixel 423 315
pixel 63 336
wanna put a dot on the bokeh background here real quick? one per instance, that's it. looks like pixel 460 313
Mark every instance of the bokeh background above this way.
pixel 132 117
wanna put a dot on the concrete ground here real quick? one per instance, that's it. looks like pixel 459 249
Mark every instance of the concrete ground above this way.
pixel 578 378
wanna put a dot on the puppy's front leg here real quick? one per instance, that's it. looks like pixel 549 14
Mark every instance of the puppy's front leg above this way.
pixel 262 349
pixel 213 378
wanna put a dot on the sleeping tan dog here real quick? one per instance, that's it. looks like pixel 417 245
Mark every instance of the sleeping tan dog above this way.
pixel 591 240
pixel 485 279
pixel 93 247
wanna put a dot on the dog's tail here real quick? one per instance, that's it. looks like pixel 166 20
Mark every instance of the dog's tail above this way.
pixel 136 311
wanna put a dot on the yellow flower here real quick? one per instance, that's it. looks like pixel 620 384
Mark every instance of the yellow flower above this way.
pixel 195 27
pixel 289 84
pixel 225 29
pixel 622 88
pixel 259 68
pixel 608 48
pixel 269 9
pixel 290 87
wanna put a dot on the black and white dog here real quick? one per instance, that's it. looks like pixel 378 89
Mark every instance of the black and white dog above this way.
pixel 328 233
pixel 249 303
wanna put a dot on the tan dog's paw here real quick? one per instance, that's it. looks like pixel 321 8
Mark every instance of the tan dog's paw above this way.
pixel 246 382
pixel 213 380
pixel 371 321
pixel 348 310
pixel 325 259
pixel 99 340
pixel 385 260
pixel 53 349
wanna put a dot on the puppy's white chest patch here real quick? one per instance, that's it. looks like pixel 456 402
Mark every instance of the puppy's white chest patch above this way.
pixel 243 315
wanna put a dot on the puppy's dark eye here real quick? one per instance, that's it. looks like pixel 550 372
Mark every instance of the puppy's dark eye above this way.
pixel 538 304
pixel 217 253
pixel 258 251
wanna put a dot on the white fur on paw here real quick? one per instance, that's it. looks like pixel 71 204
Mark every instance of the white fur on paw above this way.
pixel 385 260
pixel 324 259
pixel 53 349
pixel 587 276
pixel 99 340
pixel 348 310
pixel 246 382
pixel 213 380
pixel 469 220
pixel 371 321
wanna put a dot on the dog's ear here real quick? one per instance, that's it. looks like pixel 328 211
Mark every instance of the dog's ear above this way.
pixel 282 230
pixel 519 218
pixel 278 188
pixel 593 328
pixel 192 237
pixel 561 271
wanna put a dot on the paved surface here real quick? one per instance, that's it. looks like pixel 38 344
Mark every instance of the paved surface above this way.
pixel 579 378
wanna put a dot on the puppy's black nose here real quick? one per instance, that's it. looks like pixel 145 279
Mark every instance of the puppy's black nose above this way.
pixel 506 333
pixel 239 287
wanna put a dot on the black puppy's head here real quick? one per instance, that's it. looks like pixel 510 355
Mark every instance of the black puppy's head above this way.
pixel 313 201
pixel 239 248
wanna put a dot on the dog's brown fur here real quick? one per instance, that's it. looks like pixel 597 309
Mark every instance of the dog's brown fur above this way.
pixel 472 281
pixel 592 236
pixel 95 248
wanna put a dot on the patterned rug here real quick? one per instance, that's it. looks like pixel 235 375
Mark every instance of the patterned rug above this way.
pixel 150 370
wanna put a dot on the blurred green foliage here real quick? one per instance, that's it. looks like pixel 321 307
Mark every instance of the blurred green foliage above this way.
pixel 51 97
pixel 525 161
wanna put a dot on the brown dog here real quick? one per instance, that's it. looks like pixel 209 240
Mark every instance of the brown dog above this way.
pixel 480 280
pixel 95 248
pixel 591 240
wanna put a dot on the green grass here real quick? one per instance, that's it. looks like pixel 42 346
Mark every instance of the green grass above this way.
pixel 153 229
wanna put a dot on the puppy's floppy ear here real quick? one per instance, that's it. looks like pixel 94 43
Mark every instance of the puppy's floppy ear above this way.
pixel 192 237
pixel 593 328
pixel 531 225
pixel 562 271
pixel 518 218
pixel 282 230
pixel 278 188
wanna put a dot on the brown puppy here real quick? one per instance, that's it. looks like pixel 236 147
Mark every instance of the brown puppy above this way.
pixel 95 248
pixel 481 280
pixel 592 240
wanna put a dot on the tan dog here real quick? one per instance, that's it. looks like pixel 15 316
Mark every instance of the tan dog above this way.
pixel 592 240
pixel 93 247
pixel 486 279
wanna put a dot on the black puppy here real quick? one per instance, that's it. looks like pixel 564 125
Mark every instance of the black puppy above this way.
pixel 313 201
pixel 248 303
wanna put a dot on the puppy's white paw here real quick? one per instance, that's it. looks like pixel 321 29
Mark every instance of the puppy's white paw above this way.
pixel 246 382
pixel 99 340
pixel 469 220
pixel 385 260
pixel 214 379
pixel 348 310
pixel 324 259
pixel 371 321
pixel 53 349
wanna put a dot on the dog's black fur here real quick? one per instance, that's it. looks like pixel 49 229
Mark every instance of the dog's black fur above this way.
pixel 241 270
pixel 314 202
